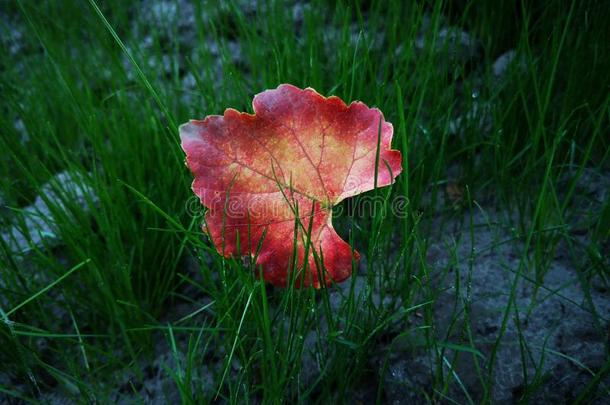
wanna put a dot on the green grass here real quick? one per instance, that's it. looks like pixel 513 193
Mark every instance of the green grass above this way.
pixel 87 317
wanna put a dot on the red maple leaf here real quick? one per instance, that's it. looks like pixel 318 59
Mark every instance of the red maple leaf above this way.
pixel 272 177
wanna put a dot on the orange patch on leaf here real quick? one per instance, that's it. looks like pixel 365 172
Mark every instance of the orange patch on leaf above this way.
pixel 264 175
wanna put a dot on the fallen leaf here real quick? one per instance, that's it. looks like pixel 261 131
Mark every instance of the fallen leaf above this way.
pixel 299 152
